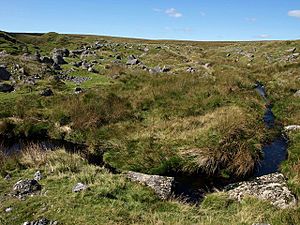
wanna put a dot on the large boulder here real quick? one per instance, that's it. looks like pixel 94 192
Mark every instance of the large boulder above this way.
pixel 25 187
pixel 6 88
pixel 161 185
pixel 4 74
pixel 271 187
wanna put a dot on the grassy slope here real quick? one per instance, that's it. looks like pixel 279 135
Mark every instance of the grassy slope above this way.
pixel 210 120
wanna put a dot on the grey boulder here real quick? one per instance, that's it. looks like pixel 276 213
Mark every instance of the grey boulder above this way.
pixel 271 187
pixel 161 185
pixel 26 187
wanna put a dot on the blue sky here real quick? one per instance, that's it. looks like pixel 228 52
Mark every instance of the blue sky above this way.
pixel 157 19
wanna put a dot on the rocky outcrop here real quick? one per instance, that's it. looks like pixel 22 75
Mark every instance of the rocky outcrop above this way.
pixel 161 185
pixel 25 187
pixel 271 187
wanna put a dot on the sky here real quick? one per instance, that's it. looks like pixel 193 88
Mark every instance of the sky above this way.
pixel 156 19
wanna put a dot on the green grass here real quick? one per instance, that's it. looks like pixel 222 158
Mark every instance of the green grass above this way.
pixel 111 199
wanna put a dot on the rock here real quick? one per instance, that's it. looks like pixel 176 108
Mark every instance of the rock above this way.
pixel 43 221
pixel 155 70
pixel 78 90
pixel 38 175
pixel 47 92
pixel 26 187
pixel 7 177
pixel 91 70
pixel 46 60
pixel 228 55
pixel 7 210
pixel 297 94
pixel 132 62
pixel 76 52
pixel 58 59
pixel 191 70
pixel 56 66
pixel 118 57
pixel 271 187
pixel 6 88
pixel 292 128
pixel 165 69
pixel 63 52
pixel 292 50
pixel 161 185
pixel 79 187
pixel 4 74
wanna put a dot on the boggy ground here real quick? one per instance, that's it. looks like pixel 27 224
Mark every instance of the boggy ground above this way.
pixel 197 112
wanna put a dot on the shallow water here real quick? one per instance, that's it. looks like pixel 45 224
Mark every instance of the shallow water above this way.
pixel 275 152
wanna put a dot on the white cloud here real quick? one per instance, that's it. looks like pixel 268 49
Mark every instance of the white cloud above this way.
pixel 251 19
pixel 264 36
pixel 173 13
pixel 294 13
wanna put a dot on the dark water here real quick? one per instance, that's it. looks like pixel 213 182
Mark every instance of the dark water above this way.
pixel 275 152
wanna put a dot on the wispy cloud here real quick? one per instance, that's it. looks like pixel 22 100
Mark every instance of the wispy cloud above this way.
pixel 251 19
pixel 172 12
pixel 294 13
pixel 264 36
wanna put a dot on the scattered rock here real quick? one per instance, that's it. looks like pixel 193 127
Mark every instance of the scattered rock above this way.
pixel 191 70
pixel 43 221
pixel 292 50
pixel 58 59
pixel 8 210
pixel 38 176
pixel 160 184
pixel 47 92
pixel 292 128
pixel 6 88
pixel 25 187
pixel 271 187
pixel 79 187
pixel 132 62
pixel 4 74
